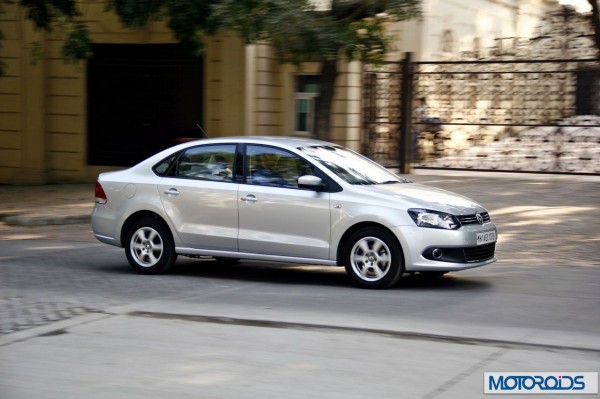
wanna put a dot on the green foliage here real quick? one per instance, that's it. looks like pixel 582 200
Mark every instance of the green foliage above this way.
pixel 78 44
pixel 295 28
pixel 187 19
pixel 246 17
pixel 137 13
pixel 368 41
pixel 43 12
pixel 190 22
pixel 300 32
pixel 57 15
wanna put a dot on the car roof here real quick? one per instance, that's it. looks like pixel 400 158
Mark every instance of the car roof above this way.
pixel 290 143
pixel 282 141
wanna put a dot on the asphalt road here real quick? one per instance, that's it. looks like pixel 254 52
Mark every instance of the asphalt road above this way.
pixel 50 271
pixel 75 321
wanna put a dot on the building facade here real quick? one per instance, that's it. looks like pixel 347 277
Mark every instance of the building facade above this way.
pixel 140 92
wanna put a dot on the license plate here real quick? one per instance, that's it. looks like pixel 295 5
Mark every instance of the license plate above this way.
pixel 486 237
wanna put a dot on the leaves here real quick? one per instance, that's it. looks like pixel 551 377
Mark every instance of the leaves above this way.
pixel 78 44
pixel 297 29
pixel 137 13
pixel 44 12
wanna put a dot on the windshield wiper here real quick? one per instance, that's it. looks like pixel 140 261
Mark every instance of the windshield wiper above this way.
pixel 401 180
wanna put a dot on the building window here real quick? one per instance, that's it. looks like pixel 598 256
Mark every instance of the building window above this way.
pixel 448 41
pixel 305 93
pixel 476 47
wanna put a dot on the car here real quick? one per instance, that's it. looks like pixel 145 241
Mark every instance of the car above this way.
pixel 291 200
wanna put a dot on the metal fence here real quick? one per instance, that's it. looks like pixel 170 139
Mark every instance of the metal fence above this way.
pixel 537 116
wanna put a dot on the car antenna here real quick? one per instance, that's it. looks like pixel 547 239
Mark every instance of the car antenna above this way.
pixel 202 130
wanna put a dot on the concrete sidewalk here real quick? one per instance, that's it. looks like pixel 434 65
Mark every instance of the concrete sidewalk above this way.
pixel 132 354
pixel 46 205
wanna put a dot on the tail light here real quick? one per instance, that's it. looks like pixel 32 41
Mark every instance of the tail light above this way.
pixel 100 194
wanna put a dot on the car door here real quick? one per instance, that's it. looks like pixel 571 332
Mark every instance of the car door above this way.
pixel 275 216
pixel 201 197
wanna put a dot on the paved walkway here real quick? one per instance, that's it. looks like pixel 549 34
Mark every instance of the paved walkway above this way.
pixel 46 205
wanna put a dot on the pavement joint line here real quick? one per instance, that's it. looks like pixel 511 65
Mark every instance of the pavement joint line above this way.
pixel 53 329
pixel 408 335
pixel 480 365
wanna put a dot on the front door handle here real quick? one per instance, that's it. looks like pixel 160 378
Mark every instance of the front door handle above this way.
pixel 172 191
pixel 249 198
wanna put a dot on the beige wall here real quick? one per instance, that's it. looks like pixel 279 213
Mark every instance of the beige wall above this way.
pixel 267 100
pixel 225 89
pixel 43 104
pixel 346 110
pixel 471 22
pixel 11 94
pixel 43 111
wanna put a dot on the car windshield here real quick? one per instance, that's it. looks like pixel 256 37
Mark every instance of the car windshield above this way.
pixel 350 166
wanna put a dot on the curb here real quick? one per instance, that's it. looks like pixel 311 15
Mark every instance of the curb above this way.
pixel 28 221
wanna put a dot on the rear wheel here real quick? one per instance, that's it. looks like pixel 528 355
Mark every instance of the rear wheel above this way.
pixel 149 247
pixel 373 258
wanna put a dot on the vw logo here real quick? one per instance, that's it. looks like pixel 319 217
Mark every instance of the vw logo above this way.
pixel 479 218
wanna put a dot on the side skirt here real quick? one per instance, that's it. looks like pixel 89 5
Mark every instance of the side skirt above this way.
pixel 244 255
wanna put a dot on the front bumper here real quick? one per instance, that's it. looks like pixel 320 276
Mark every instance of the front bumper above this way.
pixel 427 249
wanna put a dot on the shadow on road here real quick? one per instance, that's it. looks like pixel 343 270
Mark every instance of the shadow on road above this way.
pixel 275 273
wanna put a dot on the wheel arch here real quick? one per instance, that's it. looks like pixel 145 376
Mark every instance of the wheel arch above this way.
pixel 359 226
pixel 137 216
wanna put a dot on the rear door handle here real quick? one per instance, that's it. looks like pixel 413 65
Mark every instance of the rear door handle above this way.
pixel 172 191
pixel 249 198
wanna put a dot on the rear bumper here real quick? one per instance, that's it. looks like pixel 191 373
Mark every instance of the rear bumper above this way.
pixel 104 226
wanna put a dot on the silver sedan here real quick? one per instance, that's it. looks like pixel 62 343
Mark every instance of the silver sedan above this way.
pixel 288 200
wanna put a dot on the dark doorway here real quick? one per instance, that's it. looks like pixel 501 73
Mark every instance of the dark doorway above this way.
pixel 587 101
pixel 141 99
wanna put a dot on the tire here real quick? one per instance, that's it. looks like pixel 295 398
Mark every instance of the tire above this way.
pixel 149 247
pixel 373 258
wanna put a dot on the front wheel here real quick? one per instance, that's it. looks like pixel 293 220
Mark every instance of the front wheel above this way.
pixel 149 247
pixel 373 258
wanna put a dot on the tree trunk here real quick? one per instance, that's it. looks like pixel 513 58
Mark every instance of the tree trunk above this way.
pixel 324 102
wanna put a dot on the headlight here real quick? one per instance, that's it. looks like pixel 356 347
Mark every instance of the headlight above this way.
pixel 433 219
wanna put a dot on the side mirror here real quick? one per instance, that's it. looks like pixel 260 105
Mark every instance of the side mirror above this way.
pixel 310 182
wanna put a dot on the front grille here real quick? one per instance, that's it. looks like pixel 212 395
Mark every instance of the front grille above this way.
pixel 480 253
pixel 472 219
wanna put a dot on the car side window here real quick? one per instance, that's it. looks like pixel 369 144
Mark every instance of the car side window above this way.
pixel 210 162
pixel 268 166
pixel 162 168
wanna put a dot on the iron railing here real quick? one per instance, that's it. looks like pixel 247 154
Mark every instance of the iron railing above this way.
pixel 537 116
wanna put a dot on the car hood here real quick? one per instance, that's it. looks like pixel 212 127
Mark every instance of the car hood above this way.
pixel 414 195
